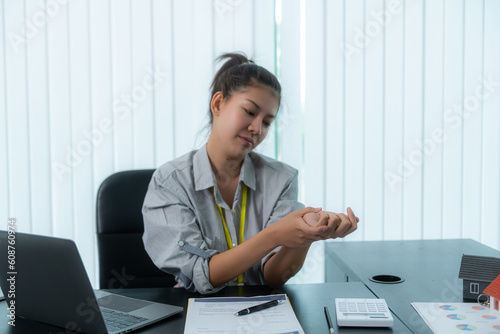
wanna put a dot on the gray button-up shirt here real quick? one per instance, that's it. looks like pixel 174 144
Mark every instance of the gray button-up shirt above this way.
pixel 182 226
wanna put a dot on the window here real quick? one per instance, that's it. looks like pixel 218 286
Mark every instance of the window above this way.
pixel 474 288
pixel 495 303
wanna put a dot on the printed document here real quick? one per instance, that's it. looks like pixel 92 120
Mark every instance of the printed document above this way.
pixel 448 318
pixel 217 315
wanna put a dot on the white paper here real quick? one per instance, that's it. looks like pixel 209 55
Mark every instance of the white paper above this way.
pixel 448 318
pixel 216 315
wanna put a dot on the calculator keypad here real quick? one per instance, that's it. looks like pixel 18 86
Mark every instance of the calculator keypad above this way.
pixel 363 312
pixel 362 307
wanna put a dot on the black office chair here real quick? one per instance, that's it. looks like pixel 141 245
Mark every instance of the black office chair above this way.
pixel 123 261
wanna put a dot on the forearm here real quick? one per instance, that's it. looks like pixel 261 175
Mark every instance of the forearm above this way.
pixel 290 232
pixel 284 265
pixel 226 266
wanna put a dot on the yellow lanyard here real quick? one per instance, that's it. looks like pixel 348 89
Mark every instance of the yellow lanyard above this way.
pixel 242 223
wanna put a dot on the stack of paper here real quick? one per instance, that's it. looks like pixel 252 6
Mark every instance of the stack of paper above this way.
pixel 217 315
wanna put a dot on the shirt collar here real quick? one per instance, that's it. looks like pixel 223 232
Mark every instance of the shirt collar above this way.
pixel 247 174
pixel 204 177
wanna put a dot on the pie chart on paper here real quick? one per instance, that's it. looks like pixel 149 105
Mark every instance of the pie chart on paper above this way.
pixel 466 327
pixel 456 317
pixel 489 317
pixel 479 308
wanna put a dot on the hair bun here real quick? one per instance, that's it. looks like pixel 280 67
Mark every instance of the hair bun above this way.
pixel 233 59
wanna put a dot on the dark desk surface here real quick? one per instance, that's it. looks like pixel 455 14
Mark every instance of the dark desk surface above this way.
pixel 307 300
pixel 429 269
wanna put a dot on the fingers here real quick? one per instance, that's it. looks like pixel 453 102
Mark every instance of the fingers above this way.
pixel 320 235
pixel 323 218
pixel 333 221
pixel 340 225
pixel 306 210
pixel 294 231
pixel 329 226
pixel 315 233
pixel 314 230
pixel 351 223
pixel 351 215
pixel 344 225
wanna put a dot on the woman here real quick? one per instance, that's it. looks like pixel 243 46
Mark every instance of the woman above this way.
pixel 224 214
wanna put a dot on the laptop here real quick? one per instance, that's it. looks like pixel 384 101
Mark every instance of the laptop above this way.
pixel 46 279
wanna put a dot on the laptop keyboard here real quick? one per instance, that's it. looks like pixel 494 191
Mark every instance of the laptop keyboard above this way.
pixel 116 321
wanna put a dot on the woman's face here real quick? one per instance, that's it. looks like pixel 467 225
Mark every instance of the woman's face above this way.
pixel 241 122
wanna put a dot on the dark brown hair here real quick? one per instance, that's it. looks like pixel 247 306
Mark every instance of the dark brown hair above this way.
pixel 238 73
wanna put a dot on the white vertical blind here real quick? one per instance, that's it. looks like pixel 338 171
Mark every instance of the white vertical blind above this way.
pixel 93 87
pixel 433 104
pixel 392 80
pixel 399 123
pixel 373 191
pixel 315 128
pixel 472 143
pixel 4 149
pixel 490 192
pixel 390 107
pixel 353 118
pixel 289 122
pixel 412 15
pixel 84 131
pixel 453 95
pixel 38 125
pixel 163 94
pixel 17 119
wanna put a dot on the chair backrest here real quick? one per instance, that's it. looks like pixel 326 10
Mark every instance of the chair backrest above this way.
pixel 123 261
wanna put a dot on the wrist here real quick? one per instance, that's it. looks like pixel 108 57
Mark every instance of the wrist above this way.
pixel 271 236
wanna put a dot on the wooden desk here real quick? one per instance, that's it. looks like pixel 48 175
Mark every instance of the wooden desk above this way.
pixel 429 269
pixel 307 300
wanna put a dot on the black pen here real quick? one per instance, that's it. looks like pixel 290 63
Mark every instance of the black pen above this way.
pixel 259 307
pixel 329 320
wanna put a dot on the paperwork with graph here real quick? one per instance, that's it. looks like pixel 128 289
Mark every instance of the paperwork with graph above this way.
pixel 217 315
pixel 448 318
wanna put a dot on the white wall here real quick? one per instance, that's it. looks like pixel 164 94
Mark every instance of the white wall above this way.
pixel 90 87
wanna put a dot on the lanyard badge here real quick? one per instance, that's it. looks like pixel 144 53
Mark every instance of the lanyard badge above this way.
pixel 242 224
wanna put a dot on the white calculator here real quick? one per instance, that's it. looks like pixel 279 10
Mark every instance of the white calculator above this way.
pixel 357 312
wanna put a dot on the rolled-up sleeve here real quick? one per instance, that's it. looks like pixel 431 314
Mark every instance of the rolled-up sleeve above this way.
pixel 172 236
pixel 287 201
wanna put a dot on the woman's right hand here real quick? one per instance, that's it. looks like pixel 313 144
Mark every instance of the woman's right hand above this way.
pixel 292 231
